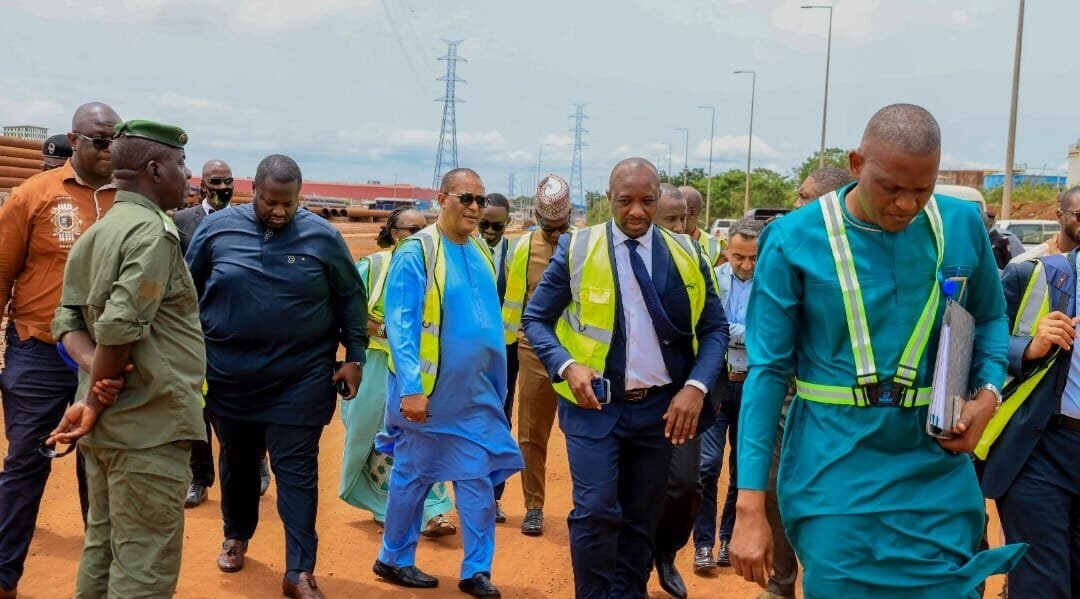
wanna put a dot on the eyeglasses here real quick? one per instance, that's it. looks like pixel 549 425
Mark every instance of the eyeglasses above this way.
pixel 100 143
pixel 50 452
pixel 413 230
pixel 1075 213
pixel 467 199
pixel 219 181
pixel 561 228
pixel 497 227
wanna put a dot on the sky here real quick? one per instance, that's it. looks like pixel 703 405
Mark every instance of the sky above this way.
pixel 349 87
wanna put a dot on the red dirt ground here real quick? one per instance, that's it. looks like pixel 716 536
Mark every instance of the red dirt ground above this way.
pixel 525 568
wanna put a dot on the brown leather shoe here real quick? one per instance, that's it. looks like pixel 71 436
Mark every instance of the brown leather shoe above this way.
pixel 8 593
pixel 231 558
pixel 305 587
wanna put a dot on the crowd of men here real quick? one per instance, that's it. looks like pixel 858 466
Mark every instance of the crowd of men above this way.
pixel 805 345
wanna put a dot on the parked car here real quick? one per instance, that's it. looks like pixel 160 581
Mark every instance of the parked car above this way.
pixel 720 227
pixel 962 192
pixel 1031 232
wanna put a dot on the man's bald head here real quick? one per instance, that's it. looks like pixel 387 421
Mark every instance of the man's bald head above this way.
pixel 693 207
pixel 93 115
pixel 217 184
pixel 451 177
pixel 215 166
pixel 632 165
pixel 906 128
pixel 671 213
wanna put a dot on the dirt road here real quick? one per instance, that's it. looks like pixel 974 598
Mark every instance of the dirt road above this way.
pixel 525 568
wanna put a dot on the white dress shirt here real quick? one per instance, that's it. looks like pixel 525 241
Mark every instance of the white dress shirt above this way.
pixel 644 361
pixel 207 208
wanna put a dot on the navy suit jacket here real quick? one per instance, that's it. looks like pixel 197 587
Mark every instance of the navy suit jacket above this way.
pixel 1012 449
pixel 552 296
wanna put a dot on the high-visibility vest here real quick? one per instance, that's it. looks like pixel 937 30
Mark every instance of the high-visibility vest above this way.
pixel 430 329
pixel 1034 306
pixel 712 247
pixel 516 283
pixel 378 265
pixel 859 328
pixel 587 325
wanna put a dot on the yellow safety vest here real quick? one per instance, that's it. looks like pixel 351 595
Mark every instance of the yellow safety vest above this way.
pixel 587 324
pixel 866 374
pixel 378 266
pixel 435 264
pixel 1034 306
pixel 516 283
pixel 711 247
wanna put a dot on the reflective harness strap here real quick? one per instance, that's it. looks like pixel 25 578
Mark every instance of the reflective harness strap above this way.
pixel 378 268
pixel 858 325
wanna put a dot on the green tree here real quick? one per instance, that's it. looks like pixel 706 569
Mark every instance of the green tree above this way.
pixel 1024 193
pixel 835 157
pixel 598 208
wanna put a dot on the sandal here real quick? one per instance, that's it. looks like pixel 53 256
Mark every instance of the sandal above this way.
pixel 439 526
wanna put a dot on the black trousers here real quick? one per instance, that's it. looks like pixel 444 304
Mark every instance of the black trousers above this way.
pixel 294 457
pixel 202 457
pixel 682 501
pixel 508 406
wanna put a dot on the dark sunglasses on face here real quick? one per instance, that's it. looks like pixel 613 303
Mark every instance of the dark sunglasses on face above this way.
pixel 219 181
pixel 100 143
pixel 413 230
pixel 50 452
pixel 560 228
pixel 467 199
pixel 497 227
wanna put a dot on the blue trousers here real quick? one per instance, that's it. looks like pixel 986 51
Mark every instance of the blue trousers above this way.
pixel 1042 508
pixel 405 511
pixel 712 461
pixel 619 488
pixel 294 457
pixel 508 406
pixel 37 387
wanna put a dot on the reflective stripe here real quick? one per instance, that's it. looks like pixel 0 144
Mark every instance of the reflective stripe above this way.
pixel 428 367
pixel 1036 298
pixel 855 309
pixel 579 251
pixel 512 304
pixel 595 333
pixel 846 396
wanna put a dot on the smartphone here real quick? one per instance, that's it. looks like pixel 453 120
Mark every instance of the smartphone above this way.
pixel 602 390
pixel 342 385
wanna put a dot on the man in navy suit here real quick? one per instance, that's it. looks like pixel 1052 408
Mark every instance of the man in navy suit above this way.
pixel 1032 469
pixel 633 309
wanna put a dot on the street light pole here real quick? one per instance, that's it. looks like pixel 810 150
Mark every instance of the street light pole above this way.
pixel 708 184
pixel 750 138
pixel 686 153
pixel 668 143
pixel 1010 148
pixel 825 106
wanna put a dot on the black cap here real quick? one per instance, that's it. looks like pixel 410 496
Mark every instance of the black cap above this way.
pixel 56 146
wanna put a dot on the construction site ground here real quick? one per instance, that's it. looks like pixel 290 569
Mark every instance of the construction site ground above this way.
pixel 525 567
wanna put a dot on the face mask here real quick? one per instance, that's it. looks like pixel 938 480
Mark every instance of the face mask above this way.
pixel 223 195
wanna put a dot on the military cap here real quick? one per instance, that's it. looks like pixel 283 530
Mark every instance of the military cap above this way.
pixel 56 146
pixel 159 132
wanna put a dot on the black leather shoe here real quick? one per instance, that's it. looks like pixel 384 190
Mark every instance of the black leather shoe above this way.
pixel 533 524
pixel 479 586
pixel 264 476
pixel 500 515
pixel 670 579
pixel 407 576
pixel 723 556
pixel 196 494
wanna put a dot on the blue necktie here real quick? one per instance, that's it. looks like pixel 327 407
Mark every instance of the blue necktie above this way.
pixel 665 330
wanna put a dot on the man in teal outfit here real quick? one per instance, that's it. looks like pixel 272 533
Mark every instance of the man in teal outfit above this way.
pixel 873 505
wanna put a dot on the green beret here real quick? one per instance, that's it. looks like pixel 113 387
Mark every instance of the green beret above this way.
pixel 161 133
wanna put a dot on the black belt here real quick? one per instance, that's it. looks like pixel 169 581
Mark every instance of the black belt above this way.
pixel 1066 422
pixel 737 376
pixel 636 395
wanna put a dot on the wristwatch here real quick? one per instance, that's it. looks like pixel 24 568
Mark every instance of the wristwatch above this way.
pixel 993 389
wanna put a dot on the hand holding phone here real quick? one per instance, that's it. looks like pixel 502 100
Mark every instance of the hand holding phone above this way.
pixel 602 390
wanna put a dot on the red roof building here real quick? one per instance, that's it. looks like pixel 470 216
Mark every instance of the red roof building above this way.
pixel 346 191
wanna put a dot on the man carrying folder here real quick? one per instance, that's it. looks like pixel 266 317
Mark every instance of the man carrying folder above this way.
pixel 873 505
pixel 1031 468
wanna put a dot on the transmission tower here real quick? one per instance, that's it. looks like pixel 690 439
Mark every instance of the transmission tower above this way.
pixel 446 155
pixel 510 185
pixel 577 195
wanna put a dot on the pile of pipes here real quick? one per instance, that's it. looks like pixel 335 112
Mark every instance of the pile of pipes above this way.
pixel 20 159
pixel 331 208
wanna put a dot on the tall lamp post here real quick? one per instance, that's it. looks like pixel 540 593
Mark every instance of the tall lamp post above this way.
pixel 750 138
pixel 686 153
pixel 1010 149
pixel 825 106
pixel 668 144
pixel 708 184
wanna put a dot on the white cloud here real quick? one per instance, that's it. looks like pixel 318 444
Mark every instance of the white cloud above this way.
pixel 732 148
pixel 853 19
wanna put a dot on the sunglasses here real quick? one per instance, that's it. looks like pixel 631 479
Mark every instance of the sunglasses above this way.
pixel 50 452
pixel 497 227
pixel 560 228
pixel 413 230
pixel 100 143
pixel 467 199
pixel 219 181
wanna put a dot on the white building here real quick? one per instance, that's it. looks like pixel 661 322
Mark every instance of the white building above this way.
pixel 1074 164
pixel 27 132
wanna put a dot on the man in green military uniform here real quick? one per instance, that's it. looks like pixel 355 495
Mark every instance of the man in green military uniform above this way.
pixel 128 311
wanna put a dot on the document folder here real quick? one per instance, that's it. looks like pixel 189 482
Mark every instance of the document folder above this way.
pixel 952 371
